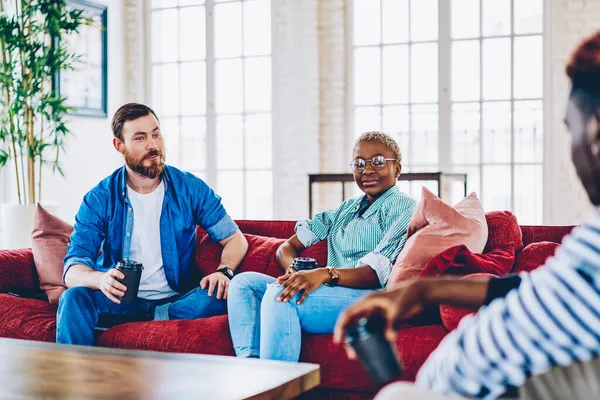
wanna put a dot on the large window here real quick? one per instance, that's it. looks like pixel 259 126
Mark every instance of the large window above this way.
pixel 211 86
pixel 460 85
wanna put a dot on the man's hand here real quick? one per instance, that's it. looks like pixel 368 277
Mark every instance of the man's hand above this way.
pixel 218 281
pixel 394 306
pixel 308 281
pixel 110 286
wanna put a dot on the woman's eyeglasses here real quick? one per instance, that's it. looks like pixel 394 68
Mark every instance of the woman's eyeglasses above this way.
pixel 377 162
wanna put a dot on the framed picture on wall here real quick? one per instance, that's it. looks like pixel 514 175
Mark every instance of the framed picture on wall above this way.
pixel 85 87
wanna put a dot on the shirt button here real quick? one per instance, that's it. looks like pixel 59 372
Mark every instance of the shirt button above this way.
pixel 128 234
pixel 349 259
pixel 123 193
pixel 129 209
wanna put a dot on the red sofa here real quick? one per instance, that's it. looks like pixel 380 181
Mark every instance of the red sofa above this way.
pixel 25 318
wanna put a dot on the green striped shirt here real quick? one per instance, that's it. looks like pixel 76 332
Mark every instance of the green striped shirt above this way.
pixel 359 234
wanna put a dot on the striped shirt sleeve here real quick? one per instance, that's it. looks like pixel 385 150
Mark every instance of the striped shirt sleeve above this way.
pixel 551 319
pixel 382 258
pixel 312 231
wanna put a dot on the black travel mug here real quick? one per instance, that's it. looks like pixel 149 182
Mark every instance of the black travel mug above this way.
pixel 377 355
pixel 133 274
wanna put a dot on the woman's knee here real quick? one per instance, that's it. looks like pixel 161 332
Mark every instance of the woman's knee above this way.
pixel 270 304
pixel 249 280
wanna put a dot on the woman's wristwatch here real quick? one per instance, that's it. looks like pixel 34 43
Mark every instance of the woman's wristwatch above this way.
pixel 334 276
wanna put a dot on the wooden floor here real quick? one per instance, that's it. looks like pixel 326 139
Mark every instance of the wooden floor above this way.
pixel 50 371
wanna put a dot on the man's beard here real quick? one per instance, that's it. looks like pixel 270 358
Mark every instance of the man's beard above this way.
pixel 154 170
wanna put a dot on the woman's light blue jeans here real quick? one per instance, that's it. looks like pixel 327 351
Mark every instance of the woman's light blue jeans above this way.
pixel 263 327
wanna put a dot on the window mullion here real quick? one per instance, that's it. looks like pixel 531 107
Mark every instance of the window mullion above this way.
pixel 512 105
pixel 481 124
pixel 444 88
pixel 211 126
pixel 244 77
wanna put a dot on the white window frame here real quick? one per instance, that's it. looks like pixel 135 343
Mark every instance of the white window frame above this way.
pixel 211 115
pixel 445 101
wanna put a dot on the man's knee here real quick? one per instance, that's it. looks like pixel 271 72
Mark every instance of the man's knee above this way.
pixel 75 295
pixel 195 304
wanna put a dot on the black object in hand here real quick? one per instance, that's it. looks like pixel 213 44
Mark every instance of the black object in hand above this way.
pixel 133 274
pixel 304 263
pixel 376 354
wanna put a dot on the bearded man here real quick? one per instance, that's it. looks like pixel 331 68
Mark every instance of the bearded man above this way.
pixel 144 212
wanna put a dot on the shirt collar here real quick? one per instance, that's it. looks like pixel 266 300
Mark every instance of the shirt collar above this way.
pixel 164 177
pixel 364 202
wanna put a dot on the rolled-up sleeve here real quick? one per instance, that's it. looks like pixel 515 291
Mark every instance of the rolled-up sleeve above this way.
pixel 382 258
pixel 312 231
pixel 222 229
pixel 210 214
pixel 88 234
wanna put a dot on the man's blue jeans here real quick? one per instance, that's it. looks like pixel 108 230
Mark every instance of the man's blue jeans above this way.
pixel 262 326
pixel 79 309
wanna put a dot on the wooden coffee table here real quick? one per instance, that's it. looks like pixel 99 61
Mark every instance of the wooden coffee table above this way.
pixel 52 371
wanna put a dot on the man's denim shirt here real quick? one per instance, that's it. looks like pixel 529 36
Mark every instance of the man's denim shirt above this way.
pixel 105 222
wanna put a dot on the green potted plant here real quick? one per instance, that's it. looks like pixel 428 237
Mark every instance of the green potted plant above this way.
pixel 32 114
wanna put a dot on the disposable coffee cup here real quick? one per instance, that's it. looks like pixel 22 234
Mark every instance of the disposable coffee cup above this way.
pixel 379 358
pixel 304 263
pixel 133 273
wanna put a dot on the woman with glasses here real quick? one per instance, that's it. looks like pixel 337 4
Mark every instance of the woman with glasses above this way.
pixel 365 235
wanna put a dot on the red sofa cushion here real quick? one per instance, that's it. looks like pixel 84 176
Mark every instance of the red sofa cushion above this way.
pixel 29 319
pixel 460 260
pixel 504 231
pixel 451 316
pixel 276 229
pixel 17 270
pixel 201 336
pixel 260 256
pixel 534 234
pixel 534 256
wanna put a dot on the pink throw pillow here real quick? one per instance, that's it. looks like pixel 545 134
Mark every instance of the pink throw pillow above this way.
pixel 437 226
pixel 50 237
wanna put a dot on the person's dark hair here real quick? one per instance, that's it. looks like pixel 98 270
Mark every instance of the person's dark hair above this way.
pixel 584 68
pixel 129 112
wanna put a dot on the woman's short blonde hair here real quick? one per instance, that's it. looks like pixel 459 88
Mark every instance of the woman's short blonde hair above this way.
pixel 386 140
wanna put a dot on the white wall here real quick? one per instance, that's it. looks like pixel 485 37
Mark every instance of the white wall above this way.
pixel 310 100
pixel 569 22
pixel 300 134
pixel 295 104
pixel 89 156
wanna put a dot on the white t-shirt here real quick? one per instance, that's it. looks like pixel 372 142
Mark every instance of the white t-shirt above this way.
pixel 145 242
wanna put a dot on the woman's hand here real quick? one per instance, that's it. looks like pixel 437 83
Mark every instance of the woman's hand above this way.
pixel 307 281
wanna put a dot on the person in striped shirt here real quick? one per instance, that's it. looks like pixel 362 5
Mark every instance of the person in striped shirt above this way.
pixel 365 235
pixel 539 331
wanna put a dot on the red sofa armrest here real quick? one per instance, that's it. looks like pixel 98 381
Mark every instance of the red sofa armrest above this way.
pixel 17 271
